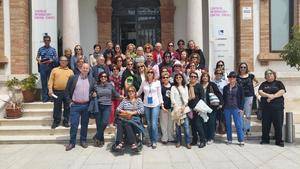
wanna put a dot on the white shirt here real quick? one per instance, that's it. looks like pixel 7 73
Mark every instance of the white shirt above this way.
pixel 151 90
pixel 175 96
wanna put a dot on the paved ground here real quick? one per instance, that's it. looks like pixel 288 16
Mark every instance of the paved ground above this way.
pixel 218 155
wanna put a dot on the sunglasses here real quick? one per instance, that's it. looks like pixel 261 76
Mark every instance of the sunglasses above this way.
pixel 148 47
pixel 220 65
pixel 180 43
pixel 77 49
pixel 103 76
pixel 243 67
pixel 140 66
pixel 171 45
pixel 166 77
pixel 151 72
pixel 130 91
pixel 231 77
pixel 193 77
pixel 115 69
pixel 130 64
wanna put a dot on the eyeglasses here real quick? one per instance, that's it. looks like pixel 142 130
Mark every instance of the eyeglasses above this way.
pixel 178 77
pixel 129 64
pixel 194 77
pixel 104 76
pixel 77 49
pixel 148 47
pixel 220 65
pixel 150 72
pixel 171 45
pixel 115 69
pixel 166 77
pixel 231 77
pixel 243 67
pixel 131 91
pixel 141 66
pixel 195 57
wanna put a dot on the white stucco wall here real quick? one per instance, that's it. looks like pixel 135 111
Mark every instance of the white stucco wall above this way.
pixel 88 25
pixel 180 20
pixel 279 66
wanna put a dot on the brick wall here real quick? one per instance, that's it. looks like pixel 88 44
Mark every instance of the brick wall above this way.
pixel 244 34
pixel 19 20
pixel 104 12
pixel 167 10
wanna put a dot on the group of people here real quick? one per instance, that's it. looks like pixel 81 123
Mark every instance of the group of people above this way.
pixel 167 89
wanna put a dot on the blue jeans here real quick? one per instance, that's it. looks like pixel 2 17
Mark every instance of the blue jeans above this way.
pixel 78 110
pixel 152 114
pixel 45 74
pixel 187 135
pixel 102 118
pixel 61 99
pixel 237 122
pixel 247 109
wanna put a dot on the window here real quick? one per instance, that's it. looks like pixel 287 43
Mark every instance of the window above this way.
pixel 281 22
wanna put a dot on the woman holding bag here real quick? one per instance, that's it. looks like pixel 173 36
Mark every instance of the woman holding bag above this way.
pixel 196 93
pixel 179 100
pixel 213 98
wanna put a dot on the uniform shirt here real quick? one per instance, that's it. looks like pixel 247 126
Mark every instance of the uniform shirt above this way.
pixel 58 78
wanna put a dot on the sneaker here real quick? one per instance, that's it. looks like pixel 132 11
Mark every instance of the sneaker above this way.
pixel 188 146
pixel 202 144
pixel 228 142
pixel 70 147
pixel 241 144
pixel 210 142
pixel 154 146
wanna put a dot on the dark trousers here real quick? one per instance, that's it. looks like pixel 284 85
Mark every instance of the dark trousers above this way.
pixel 61 99
pixel 125 129
pixel 77 111
pixel 210 126
pixel 269 116
pixel 102 119
pixel 45 74
pixel 197 125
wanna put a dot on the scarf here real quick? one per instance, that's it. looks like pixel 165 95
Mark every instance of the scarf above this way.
pixel 192 91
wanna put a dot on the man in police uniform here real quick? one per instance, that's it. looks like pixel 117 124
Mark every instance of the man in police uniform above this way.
pixel 47 60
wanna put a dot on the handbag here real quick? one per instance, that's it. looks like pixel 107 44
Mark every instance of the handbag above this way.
pixel 213 99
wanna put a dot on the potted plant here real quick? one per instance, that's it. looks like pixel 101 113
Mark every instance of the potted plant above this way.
pixel 291 51
pixel 29 89
pixel 14 105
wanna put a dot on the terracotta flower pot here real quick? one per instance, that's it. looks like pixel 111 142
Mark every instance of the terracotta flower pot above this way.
pixel 29 95
pixel 12 113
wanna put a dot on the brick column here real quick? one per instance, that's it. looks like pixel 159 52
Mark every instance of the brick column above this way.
pixel 71 29
pixel 167 10
pixel 244 34
pixel 19 18
pixel 104 12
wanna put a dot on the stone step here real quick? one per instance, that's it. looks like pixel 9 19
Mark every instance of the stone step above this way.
pixel 38 105
pixel 33 112
pixel 42 130
pixel 27 121
pixel 47 139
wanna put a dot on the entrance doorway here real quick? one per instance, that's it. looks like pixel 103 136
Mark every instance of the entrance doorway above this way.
pixel 135 21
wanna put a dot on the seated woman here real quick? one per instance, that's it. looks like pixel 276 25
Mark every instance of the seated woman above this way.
pixel 128 121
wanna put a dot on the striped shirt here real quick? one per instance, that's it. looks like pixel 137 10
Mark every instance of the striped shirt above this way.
pixel 127 105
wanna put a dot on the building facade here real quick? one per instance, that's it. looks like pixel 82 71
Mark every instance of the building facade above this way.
pixel 230 30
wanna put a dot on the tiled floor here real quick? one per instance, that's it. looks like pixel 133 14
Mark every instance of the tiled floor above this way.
pixel 217 155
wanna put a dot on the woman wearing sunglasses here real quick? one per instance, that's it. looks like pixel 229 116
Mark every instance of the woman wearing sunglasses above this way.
pixel 247 80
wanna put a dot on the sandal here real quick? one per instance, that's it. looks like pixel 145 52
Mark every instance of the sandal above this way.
pixel 134 147
pixel 120 146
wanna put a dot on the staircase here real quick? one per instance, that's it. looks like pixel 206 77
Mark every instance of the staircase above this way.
pixel 35 127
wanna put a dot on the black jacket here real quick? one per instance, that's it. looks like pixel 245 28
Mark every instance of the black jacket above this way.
pixel 199 93
pixel 240 96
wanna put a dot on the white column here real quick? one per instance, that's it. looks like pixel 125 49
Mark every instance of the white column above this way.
pixel 194 22
pixel 7 41
pixel 71 32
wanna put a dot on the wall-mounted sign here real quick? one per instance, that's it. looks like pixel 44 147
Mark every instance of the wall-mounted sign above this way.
pixel 247 13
